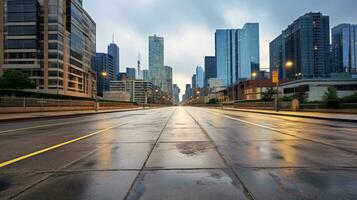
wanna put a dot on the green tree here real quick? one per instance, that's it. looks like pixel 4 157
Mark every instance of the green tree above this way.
pixel 16 79
pixel 268 95
pixel 330 98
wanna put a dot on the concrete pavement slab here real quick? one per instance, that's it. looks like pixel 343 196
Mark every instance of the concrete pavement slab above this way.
pixel 109 185
pixel 184 185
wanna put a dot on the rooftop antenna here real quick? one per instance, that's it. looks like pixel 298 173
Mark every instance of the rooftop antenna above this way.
pixel 113 38
pixel 139 58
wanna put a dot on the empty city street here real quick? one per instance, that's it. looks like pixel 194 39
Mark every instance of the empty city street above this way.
pixel 178 153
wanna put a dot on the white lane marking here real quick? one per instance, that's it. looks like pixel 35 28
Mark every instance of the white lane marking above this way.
pixel 251 123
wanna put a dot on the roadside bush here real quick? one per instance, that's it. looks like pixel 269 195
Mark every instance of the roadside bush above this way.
pixel 330 98
pixel 213 101
pixel 350 99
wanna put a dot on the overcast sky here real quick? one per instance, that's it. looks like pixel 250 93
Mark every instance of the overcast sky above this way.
pixel 188 26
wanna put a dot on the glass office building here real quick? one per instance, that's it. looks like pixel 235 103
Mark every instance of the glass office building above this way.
pixel 104 63
pixel 166 84
pixel 113 50
pixel 344 48
pixel 210 69
pixel 305 44
pixel 237 53
pixel 156 59
pixel 199 77
pixel 193 81
pixel 52 41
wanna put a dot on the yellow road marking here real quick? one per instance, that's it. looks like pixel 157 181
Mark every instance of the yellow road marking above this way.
pixel 4 164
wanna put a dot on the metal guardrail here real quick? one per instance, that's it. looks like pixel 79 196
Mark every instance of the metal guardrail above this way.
pixel 37 102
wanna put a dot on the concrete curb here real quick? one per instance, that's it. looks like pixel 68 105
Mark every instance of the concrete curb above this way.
pixel 293 115
pixel 68 115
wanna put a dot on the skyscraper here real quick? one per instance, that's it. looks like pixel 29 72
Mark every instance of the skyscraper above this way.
pixel 104 63
pixel 56 50
pixel 344 48
pixel 114 51
pixel 188 92
pixel 276 56
pixel 156 59
pixel 166 83
pixel 193 81
pixel 210 69
pixel 237 53
pixel 305 44
pixel 199 77
pixel 176 93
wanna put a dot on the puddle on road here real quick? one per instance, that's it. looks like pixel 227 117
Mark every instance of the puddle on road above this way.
pixel 193 148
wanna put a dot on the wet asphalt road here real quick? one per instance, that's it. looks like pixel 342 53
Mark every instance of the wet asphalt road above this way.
pixel 178 153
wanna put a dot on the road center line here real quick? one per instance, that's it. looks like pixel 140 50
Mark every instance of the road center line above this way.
pixel 6 163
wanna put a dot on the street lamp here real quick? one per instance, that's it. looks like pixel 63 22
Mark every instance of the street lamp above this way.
pixel 289 64
pixel 103 74
pixel 254 75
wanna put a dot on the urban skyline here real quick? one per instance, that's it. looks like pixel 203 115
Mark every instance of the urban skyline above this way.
pixel 198 32
pixel 185 120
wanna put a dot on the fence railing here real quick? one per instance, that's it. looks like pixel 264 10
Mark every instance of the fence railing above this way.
pixel 37 102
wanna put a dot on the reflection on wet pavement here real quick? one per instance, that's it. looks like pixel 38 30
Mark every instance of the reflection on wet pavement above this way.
pixel 182 153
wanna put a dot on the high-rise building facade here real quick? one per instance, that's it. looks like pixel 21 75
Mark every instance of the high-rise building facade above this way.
pixel 305 45
pixel 193 81
pixel 156 59
pixel 131 72
pixel 176 93
pixel 237 53
pixel 51 41
pixel 344 48
pixel 104 63
pixel 166 83
pixel 210 69
pixel 276 56
pixel 114 51
pixel 199 77
pixel 188 92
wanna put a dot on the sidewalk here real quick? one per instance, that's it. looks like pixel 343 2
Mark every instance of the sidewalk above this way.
pixel 312 115
pixel 38 115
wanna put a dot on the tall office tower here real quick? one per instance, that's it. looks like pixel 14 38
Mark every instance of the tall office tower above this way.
pixel 131 73
pixel 193 81
pixel 344 48
pixel 276 56
pixel 237 53
pixel 114 51
pixel 51 41
pixel 176 93
pixel 104 63
pixel 305 46
pixel 166 85
pixel 199 77
pixel 188 91
pixel 156 59
pixel 210 69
